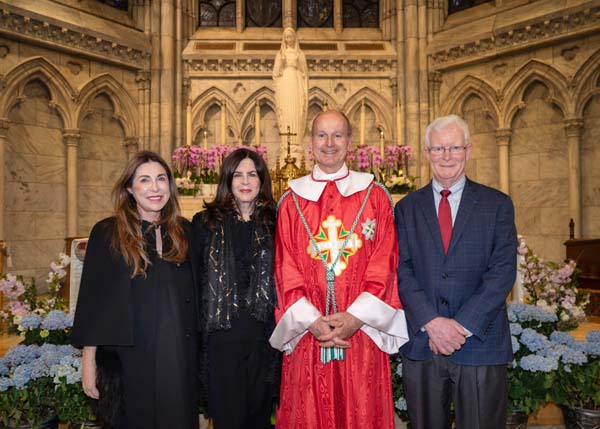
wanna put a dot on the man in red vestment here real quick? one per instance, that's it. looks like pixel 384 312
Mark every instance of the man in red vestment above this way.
pixel 338 313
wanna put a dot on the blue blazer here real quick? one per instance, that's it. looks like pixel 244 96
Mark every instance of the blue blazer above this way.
pixel 469 284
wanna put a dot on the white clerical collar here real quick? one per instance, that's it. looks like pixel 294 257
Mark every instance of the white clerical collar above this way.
pixel 348 182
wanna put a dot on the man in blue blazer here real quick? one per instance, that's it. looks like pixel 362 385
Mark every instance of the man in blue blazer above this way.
pixel 457 265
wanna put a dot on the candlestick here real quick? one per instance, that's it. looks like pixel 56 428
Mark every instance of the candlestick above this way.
pixel 205 139
pixel 381 143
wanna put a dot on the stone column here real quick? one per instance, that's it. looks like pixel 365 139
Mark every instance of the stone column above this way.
pixel 289 14
pixel 167 77
pixel 71 139
pixel 131 146
pixel 573 128
pixel 257 123
pixel 412 86
pixel 223 123
pixel 337 16
pixel 188 123
pixel 435 83
pixel 240 15
pixel 4 125
pixel 142 81
pixel 179 90
pixel 503 141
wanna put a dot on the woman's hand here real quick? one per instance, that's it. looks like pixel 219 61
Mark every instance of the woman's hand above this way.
pixel 88 372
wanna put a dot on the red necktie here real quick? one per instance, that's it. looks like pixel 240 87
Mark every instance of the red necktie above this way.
pixel 445 219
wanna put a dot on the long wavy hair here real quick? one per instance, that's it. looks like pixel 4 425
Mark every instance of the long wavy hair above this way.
pixel 128 238
pixel 224 203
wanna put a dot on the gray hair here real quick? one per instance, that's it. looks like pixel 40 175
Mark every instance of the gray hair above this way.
pixel 444 122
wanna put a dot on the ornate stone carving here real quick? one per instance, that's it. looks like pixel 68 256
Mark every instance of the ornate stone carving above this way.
pixel 569 53
pixel 573 127
pixel 503 136
pixel 71 137
pixel 70 38
pixel 264 67
pixel 74 67
pixel 530 33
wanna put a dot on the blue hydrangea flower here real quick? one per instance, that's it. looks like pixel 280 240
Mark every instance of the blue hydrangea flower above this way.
pixel 593 336
pixel 516 329
pixel 57 319
pixel 22 375
pixel 571 356
pixel 515 344
pixel 535 363
pixel 30 321
pixel 533 340
pixel 399 369
pixel 527 313
pixel 5 383
pixel 562 338
pixel 592 348
pixel 20 354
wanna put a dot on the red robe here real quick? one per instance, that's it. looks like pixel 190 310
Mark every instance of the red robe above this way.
pixel 355 392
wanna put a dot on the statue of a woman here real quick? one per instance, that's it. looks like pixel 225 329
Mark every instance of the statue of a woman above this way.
pixel 291 89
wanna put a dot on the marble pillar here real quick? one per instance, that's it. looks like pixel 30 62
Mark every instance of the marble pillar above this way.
pixel 4 125
pixel 503 136
pixel 71 138
pixel 573 129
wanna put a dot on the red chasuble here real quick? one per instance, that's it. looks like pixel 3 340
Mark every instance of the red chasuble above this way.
pixel 354 392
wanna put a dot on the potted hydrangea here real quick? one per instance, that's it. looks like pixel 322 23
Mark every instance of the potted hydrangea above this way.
pixel 578 389
pixel 26 385
pixel 533 370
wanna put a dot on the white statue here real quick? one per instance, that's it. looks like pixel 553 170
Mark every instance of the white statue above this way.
pixel 291 90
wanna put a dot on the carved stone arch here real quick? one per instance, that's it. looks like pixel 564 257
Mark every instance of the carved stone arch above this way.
pixel 378 104
pixel 587 83
pixel 316 96
pixel 124 107
pixel 468 86
pixel 516 87
pixel 62 94
pixel 207 99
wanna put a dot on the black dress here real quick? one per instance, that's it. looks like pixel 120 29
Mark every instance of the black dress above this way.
pixel 239 364
pixel 159 365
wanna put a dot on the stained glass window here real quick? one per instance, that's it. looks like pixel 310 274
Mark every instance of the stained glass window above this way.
pixel 315 13
pixel 263 13
pixel 217 13
pixel 119 4
pixel 360 13
pixel 456 5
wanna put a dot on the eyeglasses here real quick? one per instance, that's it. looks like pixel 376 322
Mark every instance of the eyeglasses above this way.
pixel 439 150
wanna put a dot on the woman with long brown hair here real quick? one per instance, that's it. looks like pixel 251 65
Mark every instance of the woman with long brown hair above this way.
pixel 136 311
pixel 233 241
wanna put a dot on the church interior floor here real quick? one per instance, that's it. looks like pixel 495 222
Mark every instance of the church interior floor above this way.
pixel 549 417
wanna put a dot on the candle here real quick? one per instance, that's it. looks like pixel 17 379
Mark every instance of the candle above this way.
pixel 362 122
pixel 205 139
pixel 381 143
pixel 188 123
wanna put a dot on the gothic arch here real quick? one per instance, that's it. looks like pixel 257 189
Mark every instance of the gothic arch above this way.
pixel 316 96
pixel 62 94
pixel 532 71
pixel 377 103
pixel 124 107
pixel 207 99
pixel 587 83
pixel 265 96
pixel 468 86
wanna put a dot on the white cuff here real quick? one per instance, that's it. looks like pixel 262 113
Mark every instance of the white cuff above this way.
pixel 293 325
pixel 385 325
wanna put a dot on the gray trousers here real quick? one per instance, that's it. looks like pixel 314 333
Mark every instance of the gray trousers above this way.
pixel 479 394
